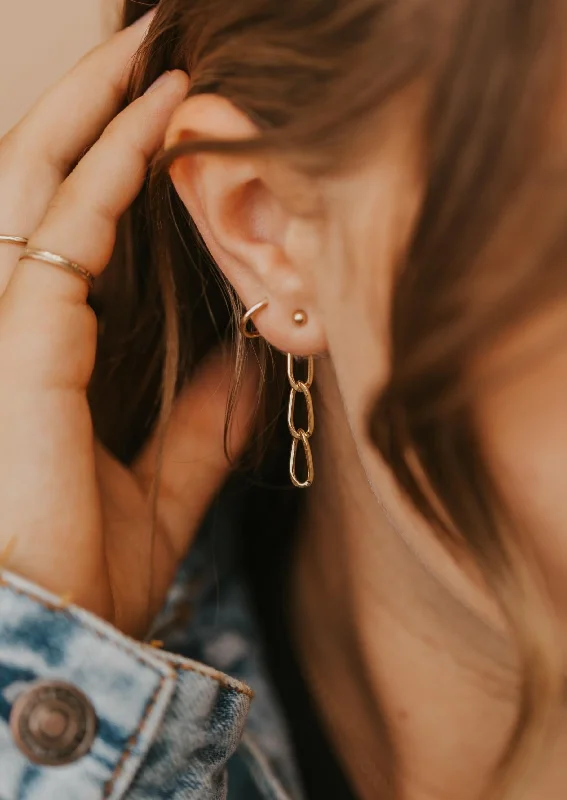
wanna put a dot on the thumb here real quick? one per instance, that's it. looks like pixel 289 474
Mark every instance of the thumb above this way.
pixel 193 463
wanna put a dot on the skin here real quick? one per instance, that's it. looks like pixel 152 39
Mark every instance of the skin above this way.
pixel 386 621
pixel 75 520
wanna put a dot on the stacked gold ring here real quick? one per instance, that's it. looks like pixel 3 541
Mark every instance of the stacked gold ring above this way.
pixel 59 261
pixel 13 240
pixel 49 258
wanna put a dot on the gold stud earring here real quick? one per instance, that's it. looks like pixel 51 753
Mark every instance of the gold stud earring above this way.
pixel 298 434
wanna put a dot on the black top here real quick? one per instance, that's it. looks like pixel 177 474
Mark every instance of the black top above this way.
pixel 268 558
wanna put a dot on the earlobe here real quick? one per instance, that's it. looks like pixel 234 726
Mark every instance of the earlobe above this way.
pixel 243 221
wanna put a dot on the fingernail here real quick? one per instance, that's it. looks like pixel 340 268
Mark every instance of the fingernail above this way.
pixel 156 84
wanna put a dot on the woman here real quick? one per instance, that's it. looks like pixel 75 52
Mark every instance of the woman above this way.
pixel 374 184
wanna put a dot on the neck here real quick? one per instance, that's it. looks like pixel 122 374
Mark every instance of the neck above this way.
pixel 404 653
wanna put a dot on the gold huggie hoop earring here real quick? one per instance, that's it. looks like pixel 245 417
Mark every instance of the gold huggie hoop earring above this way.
pixel 248 317
pixel 299 434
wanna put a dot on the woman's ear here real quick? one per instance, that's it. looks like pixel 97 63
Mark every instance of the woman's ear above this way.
pixel 246 222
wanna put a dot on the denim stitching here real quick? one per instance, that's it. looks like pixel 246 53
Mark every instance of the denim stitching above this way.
pixel 64 610
pixel 132 741
pixel 240 688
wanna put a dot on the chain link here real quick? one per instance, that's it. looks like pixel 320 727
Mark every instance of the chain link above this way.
pixel 299 435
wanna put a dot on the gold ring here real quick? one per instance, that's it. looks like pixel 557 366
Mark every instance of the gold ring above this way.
pixel 13 240
pixel 59 261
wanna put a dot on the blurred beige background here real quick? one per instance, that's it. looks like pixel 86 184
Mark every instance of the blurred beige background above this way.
pixel 39 41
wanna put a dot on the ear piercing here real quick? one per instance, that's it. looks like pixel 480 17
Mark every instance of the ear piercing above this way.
pixel 299 318
pixel 249 317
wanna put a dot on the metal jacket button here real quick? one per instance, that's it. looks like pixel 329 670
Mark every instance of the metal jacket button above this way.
pixel 53 723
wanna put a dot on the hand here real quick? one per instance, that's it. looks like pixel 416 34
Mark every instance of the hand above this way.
pixel 72 518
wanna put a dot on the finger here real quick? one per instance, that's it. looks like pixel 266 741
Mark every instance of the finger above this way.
pixel 37 154
pixel 194 464
pixel 81 221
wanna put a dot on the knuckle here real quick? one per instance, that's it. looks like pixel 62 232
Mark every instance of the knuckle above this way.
pixel 122 127
pixel 66 197
pixel 66 207
pixel 94 66
pixel 122 134
pixel 7 140
pixel 89 58
pixel 9 144
pixel 102 58
pixel 113 132
pixel 72 203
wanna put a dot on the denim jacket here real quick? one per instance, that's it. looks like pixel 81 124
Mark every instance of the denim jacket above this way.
pixel 194 718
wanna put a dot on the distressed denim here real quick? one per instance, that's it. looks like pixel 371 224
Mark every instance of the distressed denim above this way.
pixel 195 720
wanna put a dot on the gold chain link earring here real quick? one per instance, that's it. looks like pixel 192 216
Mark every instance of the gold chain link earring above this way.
pixel 299 434
pixel 297 387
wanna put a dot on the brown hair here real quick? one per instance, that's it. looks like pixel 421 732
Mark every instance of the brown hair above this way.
pixel 485 253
